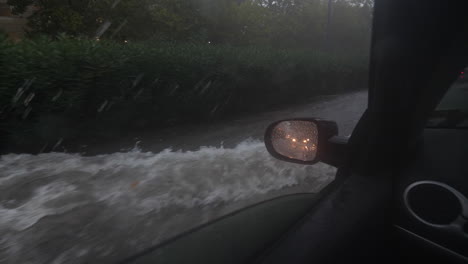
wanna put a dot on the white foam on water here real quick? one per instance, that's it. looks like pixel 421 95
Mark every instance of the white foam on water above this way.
pixel 134 184
pixel 29 213
pixel 151 182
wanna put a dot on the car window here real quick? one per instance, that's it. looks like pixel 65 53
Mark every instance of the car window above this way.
pixel 126 122
pixel 452 111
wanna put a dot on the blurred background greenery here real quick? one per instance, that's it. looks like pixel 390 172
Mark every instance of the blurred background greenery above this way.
pixel 89 67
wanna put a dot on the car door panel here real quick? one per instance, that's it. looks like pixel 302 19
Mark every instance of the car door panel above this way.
pixel 350 224
pixel 235 238
pixel 433 214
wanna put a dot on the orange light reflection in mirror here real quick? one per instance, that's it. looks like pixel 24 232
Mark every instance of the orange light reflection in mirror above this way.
pixel 293 139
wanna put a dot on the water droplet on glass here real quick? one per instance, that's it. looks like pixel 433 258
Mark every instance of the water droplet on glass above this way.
pixel 59 142
pixel 57 96
pixel 19 93
pixel 29 99
pixel 26 112
pixel 44 147
pixel 213 111
pixel 137 80
pixel 198 85
pixel 205 88
pixel 103 105
pixel 138 93
pixel 116 2
pixel 109 106
pixel 117 30
pixel 176 87
pixel 102 29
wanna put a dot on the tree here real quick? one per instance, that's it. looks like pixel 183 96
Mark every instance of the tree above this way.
pixel 175 19
pixel 79 17
pixel 281 23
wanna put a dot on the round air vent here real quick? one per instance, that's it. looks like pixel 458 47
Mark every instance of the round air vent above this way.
pixel 434 203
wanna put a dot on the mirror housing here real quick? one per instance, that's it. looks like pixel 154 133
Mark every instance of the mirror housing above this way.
pixel 306 141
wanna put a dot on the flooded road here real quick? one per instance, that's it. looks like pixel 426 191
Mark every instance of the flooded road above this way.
pixel 121 198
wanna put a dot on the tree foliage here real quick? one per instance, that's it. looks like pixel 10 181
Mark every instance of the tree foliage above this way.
pixel 107 86
pixel 237 22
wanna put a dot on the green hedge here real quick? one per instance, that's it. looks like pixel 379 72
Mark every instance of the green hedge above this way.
pixel 85 87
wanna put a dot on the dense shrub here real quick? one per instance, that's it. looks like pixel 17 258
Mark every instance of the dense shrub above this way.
pixel 77 87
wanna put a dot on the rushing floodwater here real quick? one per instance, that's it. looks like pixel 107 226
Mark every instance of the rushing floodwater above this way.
pixel 69 208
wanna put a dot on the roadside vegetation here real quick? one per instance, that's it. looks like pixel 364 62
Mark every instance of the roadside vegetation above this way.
pixel 81 74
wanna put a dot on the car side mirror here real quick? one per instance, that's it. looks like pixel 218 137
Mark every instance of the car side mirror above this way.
pixel 305 141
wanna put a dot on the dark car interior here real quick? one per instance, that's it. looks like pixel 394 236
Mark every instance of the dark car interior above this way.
pixel 401 191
